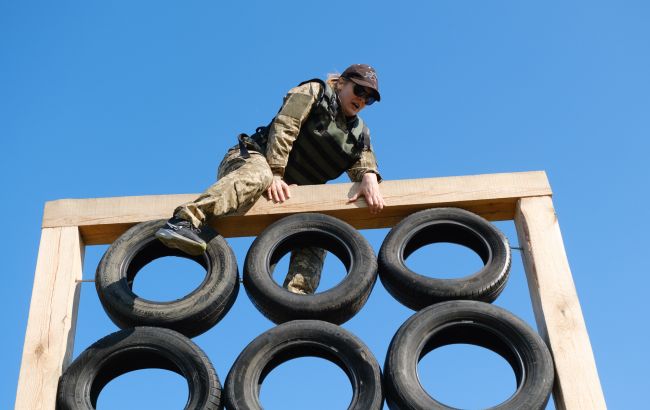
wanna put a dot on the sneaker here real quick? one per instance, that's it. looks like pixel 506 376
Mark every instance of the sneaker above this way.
pixel 181 234
pixel 299 285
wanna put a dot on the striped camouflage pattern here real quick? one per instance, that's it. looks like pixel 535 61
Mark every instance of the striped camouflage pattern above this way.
pixel 287 125
pixel 241 181
pixel 327 144
pixel 307 262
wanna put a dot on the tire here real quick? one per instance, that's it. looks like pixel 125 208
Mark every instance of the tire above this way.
pixel 470 322
pixel 135 349
pixel 191 315
pixel 335 305
pixel 452 225
pixel 301 338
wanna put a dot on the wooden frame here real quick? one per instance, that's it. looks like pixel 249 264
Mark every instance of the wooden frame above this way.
pixel 71 224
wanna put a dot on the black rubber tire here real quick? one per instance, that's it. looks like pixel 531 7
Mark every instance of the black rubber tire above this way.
pixel 135 349
pixel 302 338
pixel 452 225
pixel 469 322
pixel 336 305
pixel 191 315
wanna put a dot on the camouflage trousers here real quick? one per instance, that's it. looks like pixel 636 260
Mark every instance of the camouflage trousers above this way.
pixel 240 183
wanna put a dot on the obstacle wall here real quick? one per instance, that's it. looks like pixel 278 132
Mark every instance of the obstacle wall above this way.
pixel 71 224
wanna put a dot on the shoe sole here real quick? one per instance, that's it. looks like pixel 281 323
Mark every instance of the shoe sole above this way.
pixel 176 241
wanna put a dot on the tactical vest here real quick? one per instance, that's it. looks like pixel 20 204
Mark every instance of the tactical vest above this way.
pixel 327 144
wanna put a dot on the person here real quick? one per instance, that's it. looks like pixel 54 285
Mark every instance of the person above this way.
pixel 316 136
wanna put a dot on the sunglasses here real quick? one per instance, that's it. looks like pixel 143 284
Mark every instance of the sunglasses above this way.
pixel 362 92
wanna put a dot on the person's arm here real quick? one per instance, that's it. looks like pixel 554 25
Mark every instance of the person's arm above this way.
pixel 366 172
pixel 283 132
pixel 367 163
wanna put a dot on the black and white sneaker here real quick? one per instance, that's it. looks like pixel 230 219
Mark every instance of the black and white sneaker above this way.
pixel 180 234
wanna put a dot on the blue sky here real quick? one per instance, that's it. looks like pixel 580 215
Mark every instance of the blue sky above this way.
pixel 102 99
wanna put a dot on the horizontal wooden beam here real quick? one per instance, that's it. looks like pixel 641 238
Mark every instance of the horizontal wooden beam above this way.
pixel 494 196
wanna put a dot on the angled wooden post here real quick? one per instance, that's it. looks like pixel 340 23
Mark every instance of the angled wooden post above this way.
pixel 52 317
pixel 556 306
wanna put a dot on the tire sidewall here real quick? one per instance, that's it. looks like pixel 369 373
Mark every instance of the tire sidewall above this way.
pixel 335 305
pixel 300 338
pixel 417 291
pixel 403 389
pixel 192 314
pixel 168 349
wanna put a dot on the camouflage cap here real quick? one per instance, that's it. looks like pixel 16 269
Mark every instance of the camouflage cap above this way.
pixel 364 75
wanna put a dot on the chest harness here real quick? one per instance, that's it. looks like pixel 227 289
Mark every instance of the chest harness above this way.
pixel 327 144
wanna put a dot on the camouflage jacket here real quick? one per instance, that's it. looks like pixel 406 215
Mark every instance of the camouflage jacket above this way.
pixel 285 128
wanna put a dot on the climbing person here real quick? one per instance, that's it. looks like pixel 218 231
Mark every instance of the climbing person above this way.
pixel 315 137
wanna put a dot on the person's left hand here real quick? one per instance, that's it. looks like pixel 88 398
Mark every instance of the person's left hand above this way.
pixel 369 189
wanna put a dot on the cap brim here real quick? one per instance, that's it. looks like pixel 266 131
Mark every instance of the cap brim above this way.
pixel 366 84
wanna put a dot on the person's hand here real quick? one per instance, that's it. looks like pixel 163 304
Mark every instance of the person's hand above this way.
pixel 369 189
pixel 279 190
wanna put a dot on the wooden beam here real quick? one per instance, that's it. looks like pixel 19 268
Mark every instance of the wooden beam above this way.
pixel 494 196
pixel 556 306
pixel 52 319
pixel 523 196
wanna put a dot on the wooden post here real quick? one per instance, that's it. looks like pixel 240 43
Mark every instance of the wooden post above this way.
pixel 50 332
pixel 69 225
pixel 556 306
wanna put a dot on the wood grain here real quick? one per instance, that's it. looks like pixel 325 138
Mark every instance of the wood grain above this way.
pixel 49 338
pixel 556 306
pixel 494 196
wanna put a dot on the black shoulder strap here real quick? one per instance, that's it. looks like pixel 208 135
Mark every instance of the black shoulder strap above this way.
pixel 326 93
pixel 323 88
pixel 265 129
pixel 365 135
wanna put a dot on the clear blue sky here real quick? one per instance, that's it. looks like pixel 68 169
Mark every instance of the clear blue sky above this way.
pixel 123 98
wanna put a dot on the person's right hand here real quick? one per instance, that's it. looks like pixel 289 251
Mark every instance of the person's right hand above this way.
pixel 279 190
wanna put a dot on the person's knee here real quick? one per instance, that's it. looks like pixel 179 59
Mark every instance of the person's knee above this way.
pixel 256 176
pixel 253 177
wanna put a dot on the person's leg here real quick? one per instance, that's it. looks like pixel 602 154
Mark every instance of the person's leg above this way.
pixel 241 181
pixel 305 267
